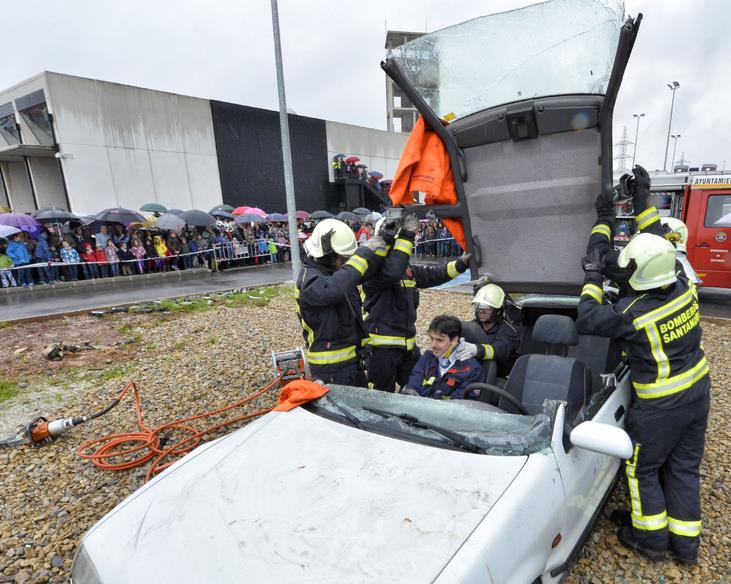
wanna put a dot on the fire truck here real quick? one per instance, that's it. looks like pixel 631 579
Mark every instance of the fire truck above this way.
pixel 702 200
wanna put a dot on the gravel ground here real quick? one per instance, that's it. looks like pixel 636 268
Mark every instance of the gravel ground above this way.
pixel 182 364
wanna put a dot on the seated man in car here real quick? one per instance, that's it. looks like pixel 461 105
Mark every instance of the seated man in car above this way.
pixel 500 339
pixel 438 373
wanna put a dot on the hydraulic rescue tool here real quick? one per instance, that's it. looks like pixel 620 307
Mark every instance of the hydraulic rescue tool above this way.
pixel 290 365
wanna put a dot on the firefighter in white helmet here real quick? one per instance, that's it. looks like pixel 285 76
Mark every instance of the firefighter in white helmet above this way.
pixel 658 326
pixel 328 303
pixel 677 233
pixel 500 338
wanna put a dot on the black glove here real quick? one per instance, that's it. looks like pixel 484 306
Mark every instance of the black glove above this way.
pixel 463 262
pixel 592 263
pixel 605 206
pixel 640 189
pixel 389 231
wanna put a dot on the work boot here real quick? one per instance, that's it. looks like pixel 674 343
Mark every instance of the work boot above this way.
pixel 626 537
pixel 621 517
pixel 686 560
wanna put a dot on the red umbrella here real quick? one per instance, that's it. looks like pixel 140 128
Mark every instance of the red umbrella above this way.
pixel 352 159
pixel 257 211
pixel 240 210
pixel 302 215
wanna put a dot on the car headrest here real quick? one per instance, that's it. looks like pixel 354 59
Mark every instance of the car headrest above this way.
pixel 556 329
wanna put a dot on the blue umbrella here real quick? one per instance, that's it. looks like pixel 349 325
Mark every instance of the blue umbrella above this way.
pixel 249 218
pixel 278 217
pixel 219 213
pixel 176 211
pixel 170 222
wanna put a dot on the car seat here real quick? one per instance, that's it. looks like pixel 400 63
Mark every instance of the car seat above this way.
pixel 535 377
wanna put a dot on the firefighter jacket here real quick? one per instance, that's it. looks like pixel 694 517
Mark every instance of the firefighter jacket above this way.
pixel 500 344
pixel 330 311
pixel 392 295
pixel 451 384
pixel 658 330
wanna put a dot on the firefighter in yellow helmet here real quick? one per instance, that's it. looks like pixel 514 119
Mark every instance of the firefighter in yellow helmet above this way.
pixel 328 302
pixel 677 233
pixel 658 326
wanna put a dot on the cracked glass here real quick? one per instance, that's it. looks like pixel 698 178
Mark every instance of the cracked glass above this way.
pixel 559 47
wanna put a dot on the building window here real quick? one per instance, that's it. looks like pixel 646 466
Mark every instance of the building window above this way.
pixel 34 113
pixel 9 134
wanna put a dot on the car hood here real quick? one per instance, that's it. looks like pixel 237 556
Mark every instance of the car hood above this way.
pixel 296 497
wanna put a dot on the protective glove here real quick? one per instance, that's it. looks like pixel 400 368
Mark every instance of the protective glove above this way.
pixel 389 231
pixel 605 206
pixel 411 223
pixel 483 281
pixel 640 189
pixel 592 263
pixel 375 244
pixel 466 351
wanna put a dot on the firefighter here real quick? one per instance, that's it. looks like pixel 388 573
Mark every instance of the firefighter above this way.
pixel 391 301
pixel 328 302
pixel 677 233
pixel 658 327
pixel 501 337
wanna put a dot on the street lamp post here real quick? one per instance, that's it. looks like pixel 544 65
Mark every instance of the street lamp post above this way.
pixel 675 145
pixel 637 133
pixel 672 87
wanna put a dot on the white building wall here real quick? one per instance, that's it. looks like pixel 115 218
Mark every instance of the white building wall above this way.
pixel 16 179
pixel 377 149
pixel 124 146
pixel 47 182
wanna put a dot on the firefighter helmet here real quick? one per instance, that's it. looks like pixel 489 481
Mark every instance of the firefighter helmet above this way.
pixel 649 260
pixel 677 232
pixel 331 236
pixel 489 296
pixel 378 226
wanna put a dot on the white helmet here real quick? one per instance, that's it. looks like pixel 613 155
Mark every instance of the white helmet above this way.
pixel 489 296
pixel 677 232
pixel 378 226
pixel 331 236
pixel 654 261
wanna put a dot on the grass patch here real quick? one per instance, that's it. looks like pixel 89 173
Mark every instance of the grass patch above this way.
pixel 110 374
pixel 8 389
pixel 5 324
pixel 254 297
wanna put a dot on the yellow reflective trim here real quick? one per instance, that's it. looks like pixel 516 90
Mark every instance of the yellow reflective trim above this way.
pixel 403 245
pixel 601 229
pixel 650 522
pixel 408 283
pixel 673 384
pixel 684 528
pixel 429 381
pixel 381 252
pixel 646 213
pixel 593 291
pixel 489 352
pixel 647 218
pixel 359 263
pixel 330 357
pixel 452 270
pixel 664 310
pixel 391 341
pixel 663 363
pixel 634 486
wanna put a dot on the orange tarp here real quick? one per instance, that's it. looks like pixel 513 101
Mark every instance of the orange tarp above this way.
pixel 425 167
pixel 298 392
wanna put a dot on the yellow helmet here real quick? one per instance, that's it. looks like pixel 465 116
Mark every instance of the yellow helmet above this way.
pixel 677 232
pixel 331 236
pixel 651 260
pixel 489 296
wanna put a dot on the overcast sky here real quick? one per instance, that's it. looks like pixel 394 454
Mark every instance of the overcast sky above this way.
pixel 223 49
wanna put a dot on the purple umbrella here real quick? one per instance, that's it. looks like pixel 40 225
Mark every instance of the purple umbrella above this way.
pixel 22 222
pixel 249 218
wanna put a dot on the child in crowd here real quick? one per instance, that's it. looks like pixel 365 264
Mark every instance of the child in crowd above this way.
pixel 151 253
pixel 185 253
pixel 438 374
pixel 91 270
pixel 101 259
pixel 138 251
pixel 126 258
pixel 18 252
pixel 6 272
pixel 70 257
pixel 112 258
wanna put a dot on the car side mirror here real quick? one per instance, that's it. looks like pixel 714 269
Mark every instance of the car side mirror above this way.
pixel 602 438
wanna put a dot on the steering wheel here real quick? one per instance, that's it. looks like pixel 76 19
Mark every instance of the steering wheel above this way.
pixel 501 393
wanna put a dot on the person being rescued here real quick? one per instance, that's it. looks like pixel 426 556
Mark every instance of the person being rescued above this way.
pixel 438 373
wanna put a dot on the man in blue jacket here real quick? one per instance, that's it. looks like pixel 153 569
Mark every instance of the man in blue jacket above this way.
pixel 439 374
pixel 18 252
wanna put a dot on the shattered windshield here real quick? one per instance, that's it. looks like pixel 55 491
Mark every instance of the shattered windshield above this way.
pixel 559 47
pixel 489 432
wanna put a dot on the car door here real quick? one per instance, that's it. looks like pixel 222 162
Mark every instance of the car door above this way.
pixel 523 103
pixel 709 244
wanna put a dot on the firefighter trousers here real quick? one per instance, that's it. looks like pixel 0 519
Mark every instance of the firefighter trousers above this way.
pixel 388 366
pixel 663 475
pixel 348 373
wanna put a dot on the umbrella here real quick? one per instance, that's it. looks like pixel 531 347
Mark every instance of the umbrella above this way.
pixel 8 231
pixel 361 166
pixel 352 159
pixel 347 216
pixel 44 209
pixel 341 155
pixel 240 210
pixel 22 222
pixel 302 215
pixel 227 208
pixel 278 217
pixel 154 208
pixel 375 174
pixel 118 215
pixel 221 214
pixel 362 211
pixel 176 211
pixel 198 218
pixel 257 211
pixel 373 217
pixel 57 215
pixel 170 222
pixel 250 218
pixel 320 215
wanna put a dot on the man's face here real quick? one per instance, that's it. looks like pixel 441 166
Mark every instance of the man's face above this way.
pixel 440 342
pixel 484 315
pixel 103 228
